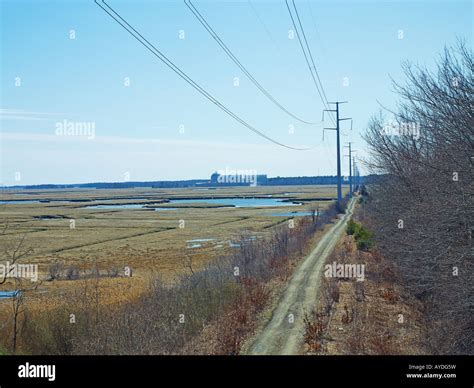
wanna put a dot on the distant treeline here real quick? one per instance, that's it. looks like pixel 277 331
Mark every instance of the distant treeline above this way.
pixel 277 181
pixel 306 180
pixel 116 185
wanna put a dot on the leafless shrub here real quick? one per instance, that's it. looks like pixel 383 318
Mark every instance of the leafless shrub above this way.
pixel 333 290
pixel 315 329
pixel 359 291
pixel 348 315
pixel 113 272
pixel 421 208
pixel 55 270
pixel 13 252
pixel 72 273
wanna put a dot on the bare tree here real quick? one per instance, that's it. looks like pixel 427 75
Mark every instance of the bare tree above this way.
pixel 13 253
pixel 19 307
pixel 421 207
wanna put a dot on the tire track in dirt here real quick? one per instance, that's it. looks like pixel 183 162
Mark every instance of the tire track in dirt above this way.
pixel 280 336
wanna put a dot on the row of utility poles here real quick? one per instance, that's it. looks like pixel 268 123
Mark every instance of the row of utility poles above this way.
pixel 354 177
pixel 353 170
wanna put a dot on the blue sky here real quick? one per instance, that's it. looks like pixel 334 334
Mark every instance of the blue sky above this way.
pixel 158 127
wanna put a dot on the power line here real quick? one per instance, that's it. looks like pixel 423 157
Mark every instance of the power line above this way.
pixel 309 51
pixel 330 153
pixel 183 75
pixel 311 56
pixel 277 47
pixel 263 24
pixel 219 41
pixel 313 70
pixel 315 25
pixel 304 53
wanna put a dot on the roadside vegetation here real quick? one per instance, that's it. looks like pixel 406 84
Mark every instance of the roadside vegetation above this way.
pixel 362 236
pixel 413 227
pixel 421 210
pixel 377 316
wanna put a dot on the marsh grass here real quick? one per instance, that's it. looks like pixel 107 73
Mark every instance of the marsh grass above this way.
pixel 226 294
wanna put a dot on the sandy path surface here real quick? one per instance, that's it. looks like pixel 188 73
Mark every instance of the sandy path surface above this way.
pixel 283 334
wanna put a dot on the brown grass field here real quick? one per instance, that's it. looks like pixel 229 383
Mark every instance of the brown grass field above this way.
pixel 145 240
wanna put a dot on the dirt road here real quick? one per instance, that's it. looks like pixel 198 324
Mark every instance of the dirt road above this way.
pixel 283 334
